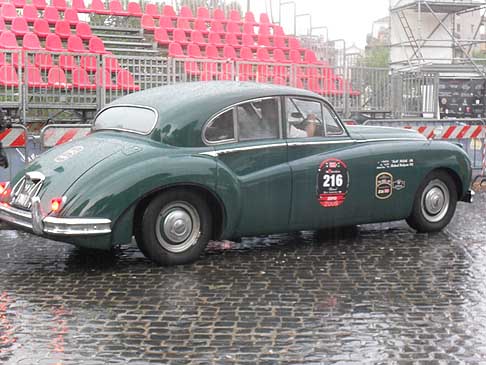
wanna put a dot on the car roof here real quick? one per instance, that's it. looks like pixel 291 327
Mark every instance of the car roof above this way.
pixel 183 108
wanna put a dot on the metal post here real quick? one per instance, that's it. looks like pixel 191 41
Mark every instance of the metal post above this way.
pixel 310 22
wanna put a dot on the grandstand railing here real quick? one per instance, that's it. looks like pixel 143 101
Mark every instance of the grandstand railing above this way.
pixel 11 79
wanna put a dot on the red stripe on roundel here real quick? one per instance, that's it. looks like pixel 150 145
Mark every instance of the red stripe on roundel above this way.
pixel 477 131
pixel 20 141
pixel 463 131
pixel 448 132
pixel 69 135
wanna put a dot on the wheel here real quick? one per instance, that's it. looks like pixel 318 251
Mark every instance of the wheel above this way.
pixel 434 204
pixel 175 228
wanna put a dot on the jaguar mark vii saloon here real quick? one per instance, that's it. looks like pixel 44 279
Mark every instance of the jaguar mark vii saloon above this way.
pixel 177 166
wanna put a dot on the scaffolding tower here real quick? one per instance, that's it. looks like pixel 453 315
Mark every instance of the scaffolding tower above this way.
pixel 426 33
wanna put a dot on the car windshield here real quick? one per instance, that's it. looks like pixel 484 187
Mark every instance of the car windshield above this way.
pixel 126 118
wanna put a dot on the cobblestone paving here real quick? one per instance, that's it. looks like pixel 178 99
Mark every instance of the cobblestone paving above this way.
pixel 376 294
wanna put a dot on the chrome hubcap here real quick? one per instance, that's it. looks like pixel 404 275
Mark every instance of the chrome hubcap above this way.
pixel 435 201
pixel 178 227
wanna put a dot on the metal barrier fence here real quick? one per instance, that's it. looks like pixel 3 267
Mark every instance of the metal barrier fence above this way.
pixel 10 79
pixel 14 141
pixel 56 134
pixel 470 133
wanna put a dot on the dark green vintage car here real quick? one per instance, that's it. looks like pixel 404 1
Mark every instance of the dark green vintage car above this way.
pixel 180 165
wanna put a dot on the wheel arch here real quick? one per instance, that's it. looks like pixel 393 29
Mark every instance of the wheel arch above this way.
pixel 215 205
pixel 460 189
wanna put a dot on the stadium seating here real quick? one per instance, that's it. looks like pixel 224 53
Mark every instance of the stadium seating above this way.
pixel 34 78
pixel 83 30
pixel 56 78
pixel 63 29
pixel 8 76
pixel 41 28
pixel 31 42
pixel 61 5
pixel 30 13
pixel 19 26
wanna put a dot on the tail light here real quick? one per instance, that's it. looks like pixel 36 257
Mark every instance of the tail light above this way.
pixel 56 204
pixel 5 191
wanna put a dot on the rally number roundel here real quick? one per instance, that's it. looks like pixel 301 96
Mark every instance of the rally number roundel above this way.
pixel 332 183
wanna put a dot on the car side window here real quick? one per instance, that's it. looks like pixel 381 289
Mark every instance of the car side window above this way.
pixel 222 128
pixel 304 118
pixel 258 119
pixel 332 126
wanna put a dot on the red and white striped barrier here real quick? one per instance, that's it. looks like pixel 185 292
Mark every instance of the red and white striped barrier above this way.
pixel 55 135
pixel 450 132
pixel 15 137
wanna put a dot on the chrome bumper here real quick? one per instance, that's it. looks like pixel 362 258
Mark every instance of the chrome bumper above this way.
pixel 35 222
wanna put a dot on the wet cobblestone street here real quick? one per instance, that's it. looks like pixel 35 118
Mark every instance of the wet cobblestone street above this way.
pixel 375 294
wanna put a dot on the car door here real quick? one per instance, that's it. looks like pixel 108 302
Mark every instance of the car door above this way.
pixel 326 166
pixel 253 155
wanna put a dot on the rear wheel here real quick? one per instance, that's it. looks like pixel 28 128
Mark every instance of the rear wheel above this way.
pixel 434 204
pixel 175 228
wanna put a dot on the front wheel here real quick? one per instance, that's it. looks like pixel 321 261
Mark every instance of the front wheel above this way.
pixel 434 204
pixel 175 228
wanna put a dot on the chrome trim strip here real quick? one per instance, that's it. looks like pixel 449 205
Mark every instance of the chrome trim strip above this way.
pixel 392 139
pixel 122 129
pixel 52 225
pixel 311 143
pixel 239 149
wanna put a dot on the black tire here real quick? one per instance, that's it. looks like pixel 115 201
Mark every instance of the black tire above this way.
pixel 434 203
pixel 175 228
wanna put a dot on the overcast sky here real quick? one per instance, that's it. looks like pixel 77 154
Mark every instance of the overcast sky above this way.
pixel 348 19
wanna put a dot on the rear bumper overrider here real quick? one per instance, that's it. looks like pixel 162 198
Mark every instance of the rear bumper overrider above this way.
pixel 469 196
pixel 40 225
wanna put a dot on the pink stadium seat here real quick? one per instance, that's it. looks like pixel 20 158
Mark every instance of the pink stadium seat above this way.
pixel 75 44
pixel 33 77
pixel 217 26
pixel 111 64
pixel 166 22
pixel 192 68
pixel 197 38
pixel 314 85
pixel 247 40
pixel 41 28
pixel 79 6
pixel 8 76
pixel 30 13
pixel 54 43
pixel 98 7
pixel 232 40
pixel 83 30
pixel 2 24
pixel 56 78
pixel 203 13
pixel 67 62
pixel 264 41
pixel 148 23
pixel 215 39
pixel 246 54
pixel 43 61
pixel 186 12
pixel 279 56
pixel 201 25
pixel 134 9
pixel 81 79
pixel 235 16
pixel 278 31
pixel 161 36
pixel 107 83
pixel 263 55
pixel 61 5
pixel 299 83
pixel 152 9
pixel 233 27
pixel 310 57
pixel 248 28
pixel 63 29
pixel 183 23
pixel 277 80
pixel 193 51
pixel 116 8
pixel 250 18
pixel 89 63
pixel 8 12
pixel 294 43
pixel 71 16
pixel 264 18
pixel 279 42
pixel 295 56
pixel 179 36
pixel 168 10
pixel 175 50
pixel 264 29
pixel 19 3
pixel 125 81
pixel 31 42
pixel 39 4
pixel 211 52
pixel 19 27
pixel 96 45
pixel 2 59
pixel 8 40
pixel 218 14
pixel 226 71
pixel 51 14
pixel 229 53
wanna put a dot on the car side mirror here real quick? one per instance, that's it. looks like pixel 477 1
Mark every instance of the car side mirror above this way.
pixel 297 115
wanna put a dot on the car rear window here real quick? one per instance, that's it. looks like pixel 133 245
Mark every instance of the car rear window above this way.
pixel 126 118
